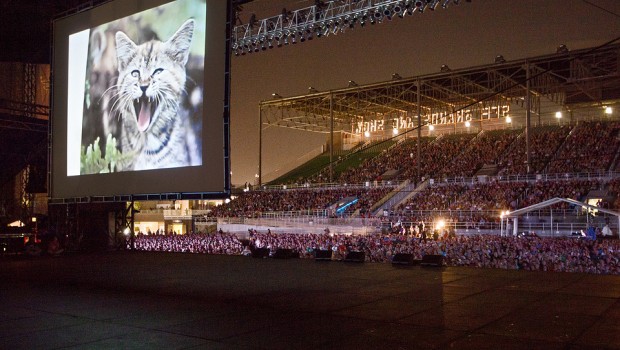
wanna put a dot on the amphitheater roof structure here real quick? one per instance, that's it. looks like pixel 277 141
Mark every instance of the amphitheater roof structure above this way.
pixel 572 80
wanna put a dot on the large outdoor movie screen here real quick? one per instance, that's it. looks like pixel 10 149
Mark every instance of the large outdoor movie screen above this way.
pixel 139 99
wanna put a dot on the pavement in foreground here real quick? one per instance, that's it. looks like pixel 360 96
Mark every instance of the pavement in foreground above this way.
pixel 139 300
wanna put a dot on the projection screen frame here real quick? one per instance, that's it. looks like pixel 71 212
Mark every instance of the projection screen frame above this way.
pixel 217 188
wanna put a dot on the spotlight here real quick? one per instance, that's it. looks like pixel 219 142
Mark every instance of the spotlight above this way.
pixel 431 127
pixel 352 83
pixel 508 119
pixel 276 95
pixel 420 5
pixel 444 68
pixel 367 133
pixel 388 13
pixel 318 31
pixel 500 59
pixel 558 115
pixel 467 124
pixel 396 76
pixel 433 4
pixel 395 131
pixel 608 110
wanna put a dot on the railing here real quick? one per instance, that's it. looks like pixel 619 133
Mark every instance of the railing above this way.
pixel 183 213
pixel 376 225
pixel 600 175
pixel 367 184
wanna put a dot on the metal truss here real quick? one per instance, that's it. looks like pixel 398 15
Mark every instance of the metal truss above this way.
pixel 322 19
pixel 30 89
pixel 27 109
pixel 569 80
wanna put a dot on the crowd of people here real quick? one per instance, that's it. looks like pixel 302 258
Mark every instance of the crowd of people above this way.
pixel 215 243
pixel 586 147
pixel 544 142
pixel 591 147
pixel 498 195
pixel 254 203
pixel 486 149
pixel 597 256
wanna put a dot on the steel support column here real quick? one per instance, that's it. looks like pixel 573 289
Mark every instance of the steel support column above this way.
pixel 528 115
pixel 331 137
pixel 260 146
pixel 419 152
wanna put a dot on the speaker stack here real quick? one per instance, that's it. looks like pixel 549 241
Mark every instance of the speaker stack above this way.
pixel 323 255
pixel 355 256
pixel 402 259
pixel 432 260
pixel 260 253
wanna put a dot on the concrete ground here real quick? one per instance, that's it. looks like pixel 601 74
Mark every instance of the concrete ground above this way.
pixel 138 300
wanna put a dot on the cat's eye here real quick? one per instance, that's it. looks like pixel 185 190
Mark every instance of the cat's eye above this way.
pixel 157 71
pixel 135 73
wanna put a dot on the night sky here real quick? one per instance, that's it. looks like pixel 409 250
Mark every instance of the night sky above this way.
pixel 470 34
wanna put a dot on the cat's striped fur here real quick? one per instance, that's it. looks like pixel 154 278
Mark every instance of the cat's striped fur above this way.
pixel 150 86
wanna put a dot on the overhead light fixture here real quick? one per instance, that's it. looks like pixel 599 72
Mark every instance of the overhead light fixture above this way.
pixel 321 19
pixel 558 115
pixel 608 110
pixel 432 4
pixel 500 59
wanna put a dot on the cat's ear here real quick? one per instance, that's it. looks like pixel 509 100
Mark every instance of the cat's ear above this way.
pixel 125 49
pixel 180 42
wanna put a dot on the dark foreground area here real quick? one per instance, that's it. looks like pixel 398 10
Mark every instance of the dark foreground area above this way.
pixel 125 300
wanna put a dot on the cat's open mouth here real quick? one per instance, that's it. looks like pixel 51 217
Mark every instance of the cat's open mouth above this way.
pixel 145 108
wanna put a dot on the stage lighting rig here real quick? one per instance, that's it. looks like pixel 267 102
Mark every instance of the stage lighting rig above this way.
pixel 321 20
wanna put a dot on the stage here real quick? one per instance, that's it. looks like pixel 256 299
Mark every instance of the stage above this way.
pixel 120 300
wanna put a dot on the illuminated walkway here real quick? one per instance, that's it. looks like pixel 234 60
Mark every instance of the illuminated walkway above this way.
pixel 130 300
